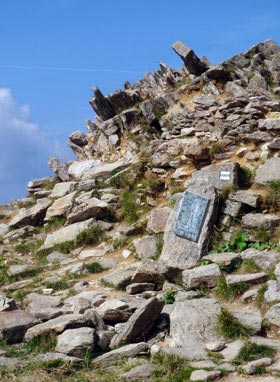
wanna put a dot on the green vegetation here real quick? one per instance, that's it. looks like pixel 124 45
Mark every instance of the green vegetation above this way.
pixel 94 267
pixel 251 352
pixel 128 206
pixel 230 327
pixel 260 297
pixel 169 296
pixel 42 344
pixel 246 176
pixel 249 266
pixel 229 292
pixel 170 368
pixel 216 148
pixel 89 236
pixel 54 223
pixel 272 200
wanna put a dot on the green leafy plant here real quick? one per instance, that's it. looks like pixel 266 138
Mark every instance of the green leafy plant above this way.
pixel 169 296
pixel 94 267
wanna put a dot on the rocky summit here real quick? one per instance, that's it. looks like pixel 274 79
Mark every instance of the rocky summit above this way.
pixel 155 255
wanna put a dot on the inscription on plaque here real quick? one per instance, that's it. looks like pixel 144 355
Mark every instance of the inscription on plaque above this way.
pixel 191 216
pixel 225 175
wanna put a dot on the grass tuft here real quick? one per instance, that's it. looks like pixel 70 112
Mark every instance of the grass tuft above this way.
pixel 251 352
pixel 230 327
pixel 229 292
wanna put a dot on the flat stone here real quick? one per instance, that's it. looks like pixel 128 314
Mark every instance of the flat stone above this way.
pixel 223 258
pixel 232 350
pixel 265 341
pixel 203 275
pixel 146 246
pixel 270 123
pixel 263 259
pixel 212 175
pixel 249 278
pixel 67 233
pixel 4 228
pixel 272 294
pixel 140 373
pixel 113 311
pixel 57 325
pixel 250 367
pixel 179 251
pixel 92 208
pixel 52 356
pixel 119 278
pixel 92 169
pixel 273 315
pixel 268 171
pixel 31 216
pixel 127 351
pixel 199 329
pixel 250 295
pixel 60 207
pixel 157 219
pixel 43 307
pixel 10 362
pixel 151 271
pixel 76 342
pixel 259 220
pixel 14 324
pixel 203 375
pixel 140 323
pixel 63 188
pixel 275 144
pixel 139 288
pixel 248 317
pixel 215 346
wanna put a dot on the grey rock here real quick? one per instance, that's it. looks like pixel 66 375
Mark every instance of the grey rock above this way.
pixel 76 342
pixel 57 325
pixel 211 175
pixel 4 228
pixel 101 105
pixel 273 315
pixel 140 323
pixel 60 207
pixel 232 350
pixel 249 318
pixel 67 233
pixel 127 351
pixel 14 324
pixel 272 294
pixel 104 338
pixel 57 257
pixel 250 278
pixel 203 375
pixel 190 59
pixel 215 346
pixel 33 215
pixel 257 136
pixel 47 357
pixel 232 208
pixel 120 278
pixel 265 341
pixel 139 288
pixel 92 169
pixel 59 168
pixel 182 252
pixel 235 90
pixel 113 311
pixel 259 220
pixel 203 275
pixel 43 307
pixel 78 138
pixel 93 208
pixel 7 303
pixel 157 219
pixel 151 271
pixel 268 171
pixel 250 367
pixel 194 333
pixel 250 295
pixel 140 373
pixel 263 259
pixel 224 258
pixel 275 144
pixel 10 362
pixel 269 124
pixel 246 197
pixel 146 246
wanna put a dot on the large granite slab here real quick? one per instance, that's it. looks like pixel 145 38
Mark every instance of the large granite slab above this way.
pixel 186 240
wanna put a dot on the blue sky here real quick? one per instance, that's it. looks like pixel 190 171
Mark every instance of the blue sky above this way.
pixel 54 51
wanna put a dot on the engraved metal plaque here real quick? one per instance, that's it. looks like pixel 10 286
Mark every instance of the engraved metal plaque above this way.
pixel 191 216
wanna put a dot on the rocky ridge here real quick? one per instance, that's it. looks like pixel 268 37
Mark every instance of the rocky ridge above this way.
pixel 161 240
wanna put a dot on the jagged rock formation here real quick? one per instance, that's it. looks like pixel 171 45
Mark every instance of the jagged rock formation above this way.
pixel 180 163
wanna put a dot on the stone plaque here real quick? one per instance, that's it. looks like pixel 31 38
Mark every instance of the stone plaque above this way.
pixel 191 216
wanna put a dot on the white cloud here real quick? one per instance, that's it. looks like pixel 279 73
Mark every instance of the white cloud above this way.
pixel 24 148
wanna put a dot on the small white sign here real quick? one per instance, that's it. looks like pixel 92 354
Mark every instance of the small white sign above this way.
pixel 225 175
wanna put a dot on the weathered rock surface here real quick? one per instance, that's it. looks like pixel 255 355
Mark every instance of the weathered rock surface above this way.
pixel 14 324
pixel 126 351
pixel 60 207
pixel 33 215
pixel 157 219
pixel 146 246
pixel 268 171
pixel 258 220
pixel 193 333
pixel 203 275
pixel 250 278
pixel 139 373
pixel 140 323
pixel 182 252
pixel 76 342
pixel 191 61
